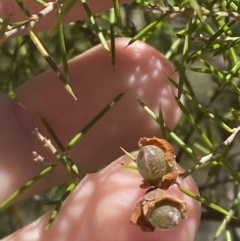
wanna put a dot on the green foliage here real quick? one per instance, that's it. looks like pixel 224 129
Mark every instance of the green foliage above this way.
pixel 201 38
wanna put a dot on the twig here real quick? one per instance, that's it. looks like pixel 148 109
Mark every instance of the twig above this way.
pixel 32 20
pixel 64 158
pixel 201 38
pixel 37 157
pixel 217 152
pixel 206 12
pixel 47 143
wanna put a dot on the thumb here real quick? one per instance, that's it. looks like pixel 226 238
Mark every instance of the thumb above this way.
pixel 100 208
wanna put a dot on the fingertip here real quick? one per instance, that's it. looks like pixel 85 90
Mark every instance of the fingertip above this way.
pixel 140 72
pixel 104 202
pixel 100 209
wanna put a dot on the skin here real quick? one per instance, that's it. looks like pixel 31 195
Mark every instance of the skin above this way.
pixel 100 206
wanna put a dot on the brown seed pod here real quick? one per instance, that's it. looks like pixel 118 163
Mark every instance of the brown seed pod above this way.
pixel 156 162
pixel 158 209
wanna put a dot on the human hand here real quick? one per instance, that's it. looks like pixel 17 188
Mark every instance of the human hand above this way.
pixel 100 207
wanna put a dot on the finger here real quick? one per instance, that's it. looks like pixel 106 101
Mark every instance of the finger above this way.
pixel 76 12
pixel 140 72
pixel 100 207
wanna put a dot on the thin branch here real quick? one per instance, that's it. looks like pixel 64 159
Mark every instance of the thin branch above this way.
pixel 47 143
pixel 201 38
pixel 64 158
pixel 187 10
pixel 37 157
pixel 213 155
pixel 32 20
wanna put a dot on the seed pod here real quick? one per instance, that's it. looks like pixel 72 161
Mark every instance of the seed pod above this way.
pixel 151 163
pixel 158 209
pixel 156 162
pixel 165 216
